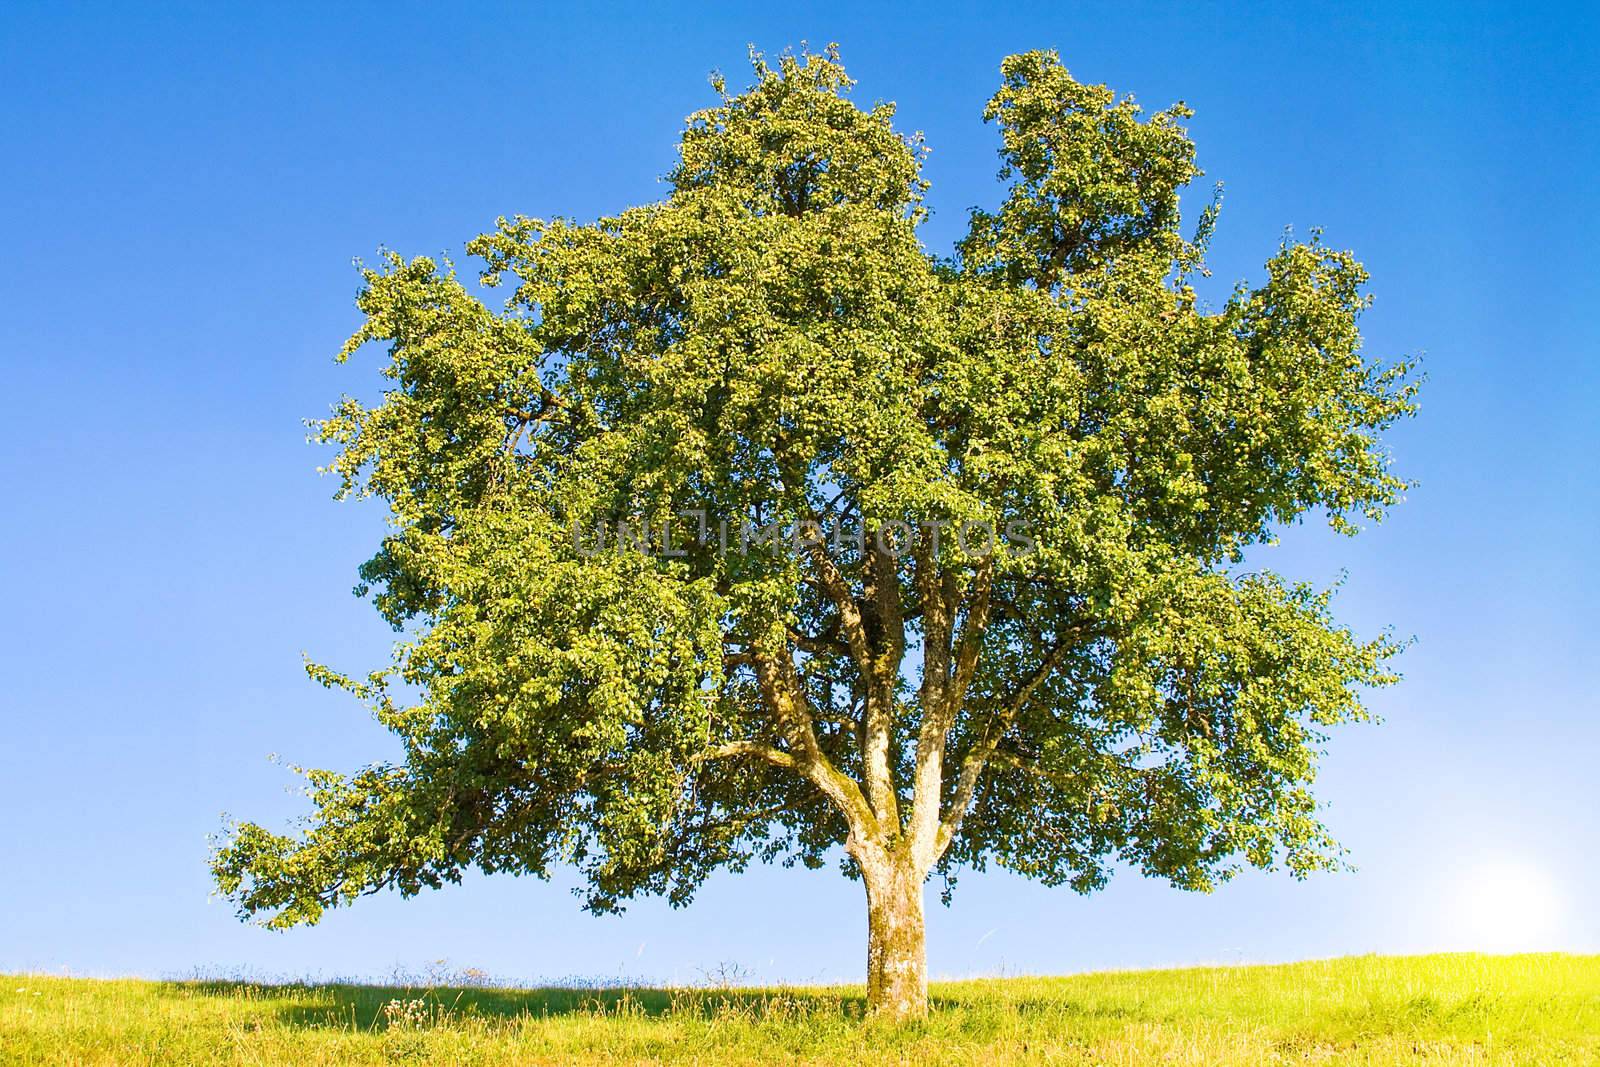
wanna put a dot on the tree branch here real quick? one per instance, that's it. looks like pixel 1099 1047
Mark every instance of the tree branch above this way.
pixel 785 699
pixel 978 758
pixel 850 620
pixel 877 717
pixel 749 749
pixel 970 643
pixel 826 642
pixel 944 690
pixel 883 676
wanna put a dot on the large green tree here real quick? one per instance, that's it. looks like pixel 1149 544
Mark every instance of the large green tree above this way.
pixel 1006 619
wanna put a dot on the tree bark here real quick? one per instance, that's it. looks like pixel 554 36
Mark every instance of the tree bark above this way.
pixel 897 958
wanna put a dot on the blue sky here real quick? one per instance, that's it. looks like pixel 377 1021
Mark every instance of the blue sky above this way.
pixel 181 195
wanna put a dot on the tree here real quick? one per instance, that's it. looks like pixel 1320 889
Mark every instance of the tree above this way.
pixel 751 530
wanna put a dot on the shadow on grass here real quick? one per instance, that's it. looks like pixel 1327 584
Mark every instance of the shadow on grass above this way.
pixel 378 1007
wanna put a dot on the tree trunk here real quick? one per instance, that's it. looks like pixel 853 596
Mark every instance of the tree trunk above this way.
pixel 897 958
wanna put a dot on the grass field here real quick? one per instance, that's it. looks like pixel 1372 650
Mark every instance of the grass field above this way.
pixel 1533 1009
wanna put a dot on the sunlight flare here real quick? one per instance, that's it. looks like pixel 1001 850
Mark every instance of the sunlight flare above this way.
pixel 1508 905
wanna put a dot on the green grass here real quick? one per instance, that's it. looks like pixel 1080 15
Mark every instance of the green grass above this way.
pixel 1533 1009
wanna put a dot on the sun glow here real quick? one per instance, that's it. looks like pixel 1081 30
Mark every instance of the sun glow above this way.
pixel 1508 905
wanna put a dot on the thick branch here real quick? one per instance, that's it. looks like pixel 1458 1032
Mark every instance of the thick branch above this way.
pixel 785 699
pixel 883 676
pixel 939 715
pixel 878 714
pixel 940 701
pixel 752 750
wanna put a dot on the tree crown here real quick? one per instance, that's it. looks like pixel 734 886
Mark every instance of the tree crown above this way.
pixel 991 610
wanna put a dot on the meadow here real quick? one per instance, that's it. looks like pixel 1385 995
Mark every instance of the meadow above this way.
pixel 1444 1009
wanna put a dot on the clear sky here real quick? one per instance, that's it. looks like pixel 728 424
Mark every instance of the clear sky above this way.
pixel 181 195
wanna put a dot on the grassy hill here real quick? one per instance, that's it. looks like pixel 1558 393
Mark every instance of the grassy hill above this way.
pixel 1532 1009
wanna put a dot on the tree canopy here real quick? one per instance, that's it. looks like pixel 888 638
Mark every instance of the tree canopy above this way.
pixel 1093 677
